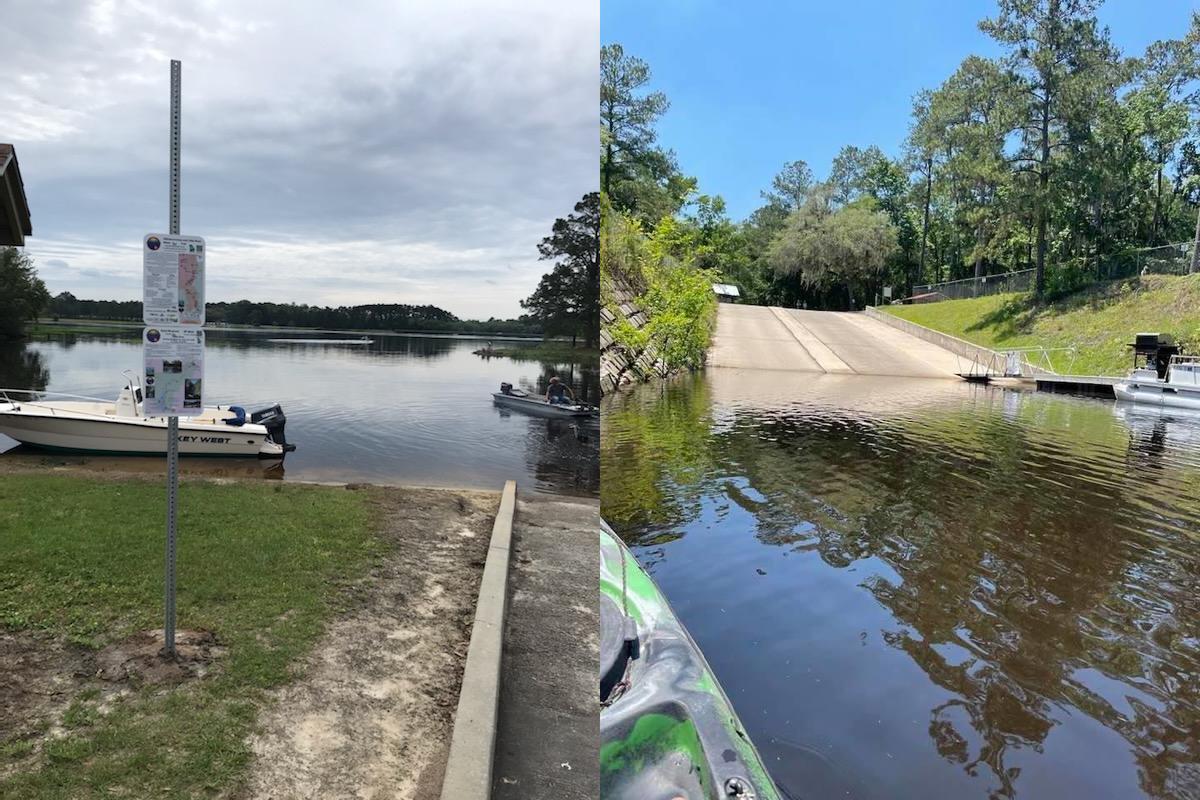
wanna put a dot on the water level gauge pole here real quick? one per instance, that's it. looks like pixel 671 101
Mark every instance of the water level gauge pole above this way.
pixel 173 421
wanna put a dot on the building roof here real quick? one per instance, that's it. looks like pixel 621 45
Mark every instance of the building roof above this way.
pixel 726 290
pixel 14 207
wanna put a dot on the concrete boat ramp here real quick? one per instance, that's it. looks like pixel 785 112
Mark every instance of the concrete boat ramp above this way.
pixel 771 338
pixel 870 343
pixel 526 720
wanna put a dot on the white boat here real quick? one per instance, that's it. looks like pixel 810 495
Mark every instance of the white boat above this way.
pixel 93 425
pixel 1180 388
pixel 532 404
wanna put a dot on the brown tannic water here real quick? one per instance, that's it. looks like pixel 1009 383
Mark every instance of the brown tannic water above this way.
pixel 926 589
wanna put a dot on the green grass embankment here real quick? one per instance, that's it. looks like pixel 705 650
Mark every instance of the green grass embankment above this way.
pixel 1098 322
pixel 555 351
pixel 262 566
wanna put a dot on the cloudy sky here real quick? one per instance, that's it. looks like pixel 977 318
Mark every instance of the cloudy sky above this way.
pixel 352 152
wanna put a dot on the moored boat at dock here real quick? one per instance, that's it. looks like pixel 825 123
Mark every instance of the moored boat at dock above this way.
pixel 1179 387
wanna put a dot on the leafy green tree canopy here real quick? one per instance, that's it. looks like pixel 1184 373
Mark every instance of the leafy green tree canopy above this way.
pixel 828 245
pixel 639 177
pixel 567 300
pixel 22 294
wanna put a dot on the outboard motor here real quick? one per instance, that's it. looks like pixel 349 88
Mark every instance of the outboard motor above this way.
pixel 273 420
pixel 505 388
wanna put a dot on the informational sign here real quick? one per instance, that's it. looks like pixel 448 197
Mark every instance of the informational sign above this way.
pixel 887 293
pixel 172 279
pixel 173 371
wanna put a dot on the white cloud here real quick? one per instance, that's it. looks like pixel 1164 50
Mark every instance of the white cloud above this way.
pixel 394 152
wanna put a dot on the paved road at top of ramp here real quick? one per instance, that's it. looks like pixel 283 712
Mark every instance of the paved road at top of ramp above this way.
pixel 759 337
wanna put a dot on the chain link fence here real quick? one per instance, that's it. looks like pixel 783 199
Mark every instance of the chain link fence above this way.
pixel 1019 281
pixel 1168 259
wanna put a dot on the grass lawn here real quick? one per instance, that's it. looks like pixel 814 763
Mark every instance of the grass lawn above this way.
pixel 548 351
pixel 1098 322
pixel 261 565
pixel 60 328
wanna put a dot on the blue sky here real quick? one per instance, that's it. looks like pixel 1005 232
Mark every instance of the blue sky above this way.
pixel 756 84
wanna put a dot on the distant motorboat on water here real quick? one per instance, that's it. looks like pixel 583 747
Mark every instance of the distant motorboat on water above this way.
pixel 521 400
pixel 363 340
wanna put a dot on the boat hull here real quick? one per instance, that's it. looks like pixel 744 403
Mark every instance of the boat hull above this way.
pixel 539 407
pixel 134 436
pixel 666 727
pixel 1158 394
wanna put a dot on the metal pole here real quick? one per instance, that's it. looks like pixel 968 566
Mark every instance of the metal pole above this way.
pixel 172 422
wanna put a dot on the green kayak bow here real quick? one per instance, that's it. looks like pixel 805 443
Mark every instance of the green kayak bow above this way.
pixel 667 730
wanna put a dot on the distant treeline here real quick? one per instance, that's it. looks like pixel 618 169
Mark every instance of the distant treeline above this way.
pixel 395 317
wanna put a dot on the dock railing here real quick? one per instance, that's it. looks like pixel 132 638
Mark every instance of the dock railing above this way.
pixel 1015 362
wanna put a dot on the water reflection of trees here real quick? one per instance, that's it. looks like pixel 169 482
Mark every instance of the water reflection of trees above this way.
pixel 381 345
pixel 22 367
pixel 564 454
pixel 584 379
pixel 1027 557
pixel 655 450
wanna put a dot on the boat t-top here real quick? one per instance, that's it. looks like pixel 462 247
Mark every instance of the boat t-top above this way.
pixel 74 423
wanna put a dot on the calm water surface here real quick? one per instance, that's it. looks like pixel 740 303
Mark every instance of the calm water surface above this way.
pixel 926 589
pixel 405 409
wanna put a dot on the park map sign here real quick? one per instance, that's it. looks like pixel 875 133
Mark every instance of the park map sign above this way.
pixel 173 311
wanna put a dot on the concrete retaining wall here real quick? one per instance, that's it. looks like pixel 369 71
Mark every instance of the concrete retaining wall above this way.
pixel 984 357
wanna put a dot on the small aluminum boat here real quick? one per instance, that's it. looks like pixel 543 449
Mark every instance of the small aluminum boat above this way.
pixel 1179 388
pixel 93 425
pixel 511 397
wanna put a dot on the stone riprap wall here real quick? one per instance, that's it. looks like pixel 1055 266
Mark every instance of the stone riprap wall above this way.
pixel 615 368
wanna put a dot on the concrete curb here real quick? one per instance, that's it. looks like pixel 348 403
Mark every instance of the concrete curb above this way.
pixel 473 741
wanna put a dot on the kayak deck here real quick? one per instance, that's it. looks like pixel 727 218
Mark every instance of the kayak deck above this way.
pixel 666 727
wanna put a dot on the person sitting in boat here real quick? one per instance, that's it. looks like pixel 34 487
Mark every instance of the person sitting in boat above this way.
pixel 558 392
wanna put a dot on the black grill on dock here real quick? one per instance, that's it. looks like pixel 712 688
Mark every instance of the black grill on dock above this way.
pixel 1155 351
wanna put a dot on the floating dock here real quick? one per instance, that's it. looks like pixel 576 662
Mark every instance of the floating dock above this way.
pixel 1095 385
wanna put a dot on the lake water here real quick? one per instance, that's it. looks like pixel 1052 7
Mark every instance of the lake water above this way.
pixel 405 409
pixel 923 588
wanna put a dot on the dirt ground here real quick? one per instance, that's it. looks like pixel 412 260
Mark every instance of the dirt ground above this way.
pixel 371 714
pixel 40 677
pixel 43 674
